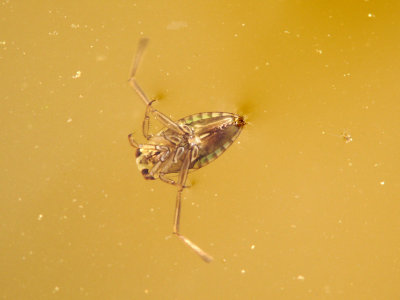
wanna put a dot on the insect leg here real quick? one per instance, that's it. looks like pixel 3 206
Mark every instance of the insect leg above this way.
pixel 135 144
pixel 181 181
pixel 132 80
pixel 164 178
pixel 146 122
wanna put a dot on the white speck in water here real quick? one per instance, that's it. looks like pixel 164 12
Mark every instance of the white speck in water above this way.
pixel 347 137
pixel 253 247
pixel 346 75
pixel 286 31
pixel 300 277
pixel 77 75
pixel 69 120
pixel 243 271
pixel 382 183
pixel 319 51
pixel 40 217
pixel 175 25
pixel 215 195
pixel 146 291
pixel 56 289
pixel 371 15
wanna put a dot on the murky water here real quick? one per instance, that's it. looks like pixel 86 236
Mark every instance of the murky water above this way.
pixel 304 205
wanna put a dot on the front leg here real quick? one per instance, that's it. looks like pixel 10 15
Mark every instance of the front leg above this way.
pixel 146 122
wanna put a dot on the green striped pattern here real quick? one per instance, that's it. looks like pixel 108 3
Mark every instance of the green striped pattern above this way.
pixel 202 116
pixel 205 160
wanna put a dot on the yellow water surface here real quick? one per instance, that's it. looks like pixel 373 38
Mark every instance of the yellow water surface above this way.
pixel 304 205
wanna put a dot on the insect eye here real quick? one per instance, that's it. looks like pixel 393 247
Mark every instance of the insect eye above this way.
pixel 145 171
pixel 138 152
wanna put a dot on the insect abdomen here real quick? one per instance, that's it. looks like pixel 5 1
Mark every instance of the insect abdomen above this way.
pixel 217 131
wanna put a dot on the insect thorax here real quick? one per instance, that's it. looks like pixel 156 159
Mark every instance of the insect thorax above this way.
pixel 211 133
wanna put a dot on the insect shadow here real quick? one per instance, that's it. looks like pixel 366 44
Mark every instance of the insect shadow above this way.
pixel 186 144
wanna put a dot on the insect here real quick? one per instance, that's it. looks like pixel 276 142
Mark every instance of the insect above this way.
pixel 189 143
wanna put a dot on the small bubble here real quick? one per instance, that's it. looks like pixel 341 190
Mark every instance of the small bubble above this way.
pixel 300 277
pixel 40 217
pixel 69 120
pixel 253 247
pixel 243 271
pixel 319 51
pixel 371 15
pixel 77 75
pixel 382 183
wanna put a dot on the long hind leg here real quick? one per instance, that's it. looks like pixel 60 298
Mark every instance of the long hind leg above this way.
pixel 132 80
pixel 181 181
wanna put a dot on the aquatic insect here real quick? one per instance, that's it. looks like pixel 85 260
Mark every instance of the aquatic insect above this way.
pixel 189 143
